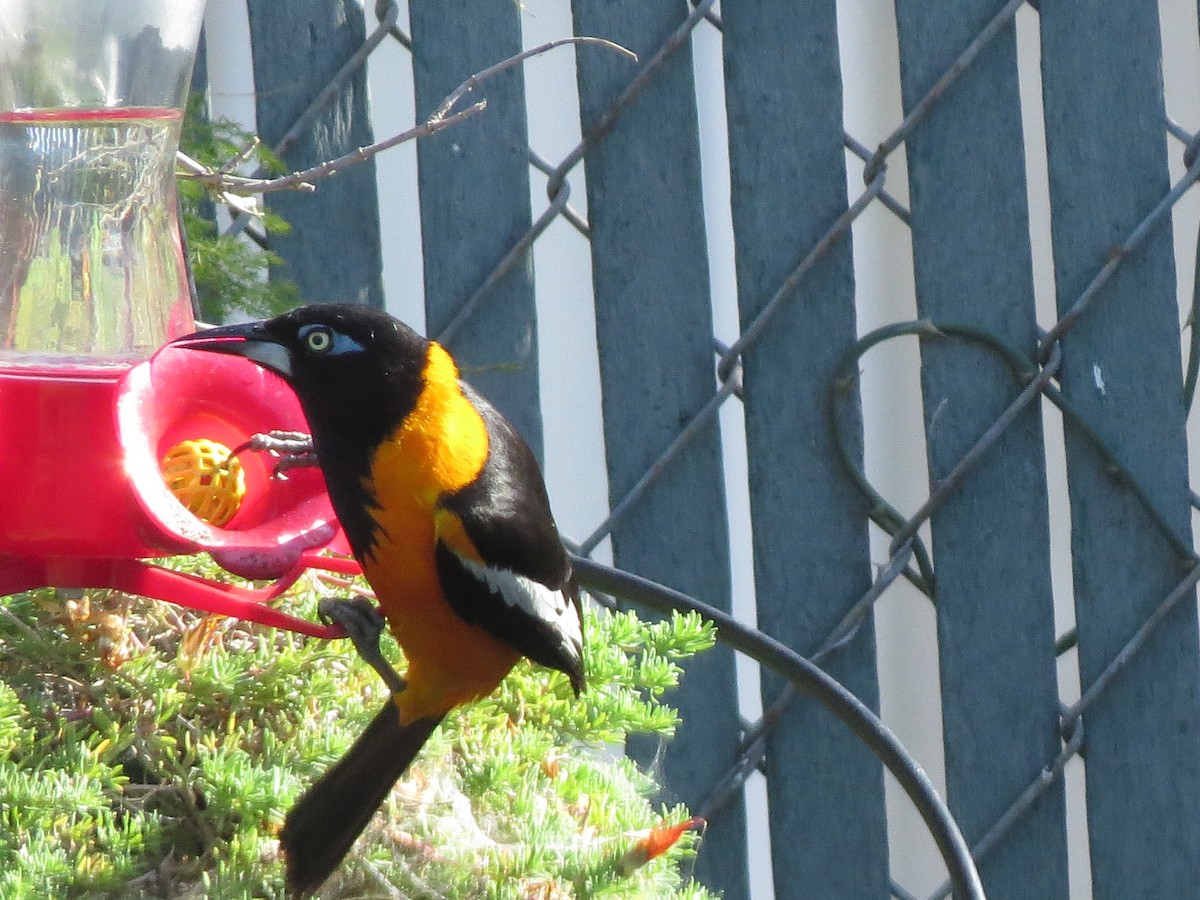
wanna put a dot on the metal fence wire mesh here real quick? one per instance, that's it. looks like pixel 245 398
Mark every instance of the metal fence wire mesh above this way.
pixel 1106 362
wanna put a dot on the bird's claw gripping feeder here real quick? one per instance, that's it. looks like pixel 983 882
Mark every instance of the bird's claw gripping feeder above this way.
pixel 111 456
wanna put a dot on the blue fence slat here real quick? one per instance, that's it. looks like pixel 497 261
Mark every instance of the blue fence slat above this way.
pixel 811 560
pixel 473 182
pixel 332 251
pixel 995 610
pixel 654 329
pixel 199 82
pixel 1102 90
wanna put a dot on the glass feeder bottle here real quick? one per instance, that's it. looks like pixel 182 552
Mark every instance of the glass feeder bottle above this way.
pixel 92 274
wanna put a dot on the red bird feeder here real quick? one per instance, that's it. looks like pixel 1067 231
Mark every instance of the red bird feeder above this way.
pixel 111 459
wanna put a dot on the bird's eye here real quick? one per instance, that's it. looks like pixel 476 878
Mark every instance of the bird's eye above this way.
pixel 319 340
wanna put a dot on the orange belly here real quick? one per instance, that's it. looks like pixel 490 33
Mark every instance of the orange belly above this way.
pixel 449 661
pixel 440 447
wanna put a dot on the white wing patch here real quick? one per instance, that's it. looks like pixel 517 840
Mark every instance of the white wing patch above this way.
pixel 552 607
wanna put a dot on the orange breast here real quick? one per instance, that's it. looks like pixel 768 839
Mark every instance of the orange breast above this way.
pixel 440 448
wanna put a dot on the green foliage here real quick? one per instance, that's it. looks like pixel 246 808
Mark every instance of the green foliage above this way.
pixel 147 751
pixel 150 751
pixel 229 271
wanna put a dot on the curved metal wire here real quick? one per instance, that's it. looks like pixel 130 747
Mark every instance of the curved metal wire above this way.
pixel 813 681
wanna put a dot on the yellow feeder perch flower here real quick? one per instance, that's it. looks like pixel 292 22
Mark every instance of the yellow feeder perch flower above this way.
pixel 206 478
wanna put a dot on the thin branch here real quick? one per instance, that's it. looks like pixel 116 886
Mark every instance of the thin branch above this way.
pixel 492 71
pixel 217 182
pixel 242 156
pixel 303 181
pixel 230 186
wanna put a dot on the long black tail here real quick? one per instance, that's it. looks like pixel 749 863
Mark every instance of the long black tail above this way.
pixel 324 823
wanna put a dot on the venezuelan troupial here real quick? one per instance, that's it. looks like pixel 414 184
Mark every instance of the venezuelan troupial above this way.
pixel 445 509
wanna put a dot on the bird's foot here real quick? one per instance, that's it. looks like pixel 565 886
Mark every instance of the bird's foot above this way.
pixel 291 449
pixel 363 623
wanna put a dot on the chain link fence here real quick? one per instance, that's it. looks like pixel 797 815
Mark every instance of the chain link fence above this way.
pixel 1106 362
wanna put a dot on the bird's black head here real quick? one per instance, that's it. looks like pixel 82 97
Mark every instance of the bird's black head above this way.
pixel 357 373
pixel 354 368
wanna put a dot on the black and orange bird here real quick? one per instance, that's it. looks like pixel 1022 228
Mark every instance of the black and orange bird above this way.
pixel 445 509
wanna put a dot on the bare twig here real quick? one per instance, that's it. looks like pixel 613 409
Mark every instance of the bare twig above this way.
pixel 218 182
pixel 303 180
pixel 492 71
pixel 233 186
pixel 242 156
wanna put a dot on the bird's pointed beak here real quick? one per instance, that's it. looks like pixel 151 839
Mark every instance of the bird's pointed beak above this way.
pixel 250 340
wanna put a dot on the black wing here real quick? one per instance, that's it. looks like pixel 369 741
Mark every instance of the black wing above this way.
pixel 525 593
